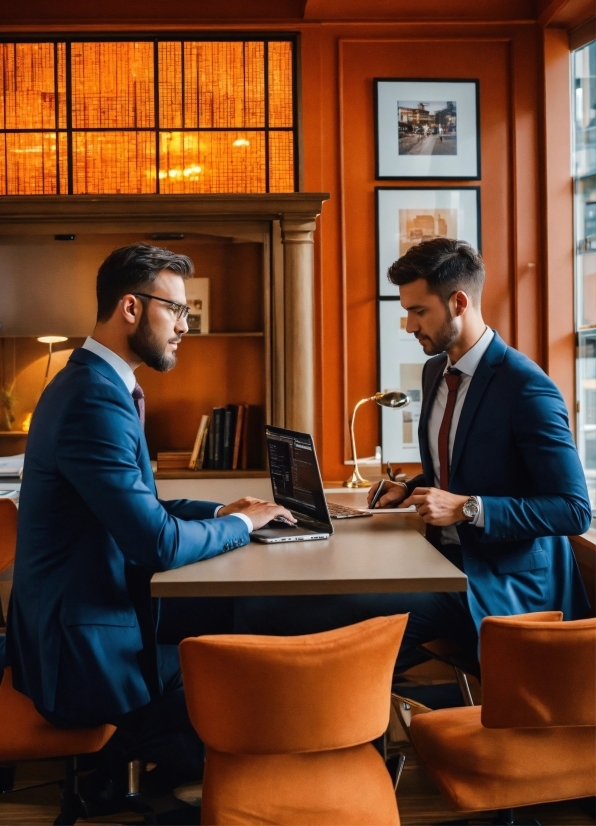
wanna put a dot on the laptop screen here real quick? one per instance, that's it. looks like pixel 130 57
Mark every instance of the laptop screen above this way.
pixel 295 475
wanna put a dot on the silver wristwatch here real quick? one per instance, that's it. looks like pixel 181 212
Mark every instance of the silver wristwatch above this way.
pixel 471 508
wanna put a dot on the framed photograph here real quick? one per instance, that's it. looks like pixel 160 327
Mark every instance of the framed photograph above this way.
pixel 405 217
pixel 197 298
pixel 427 129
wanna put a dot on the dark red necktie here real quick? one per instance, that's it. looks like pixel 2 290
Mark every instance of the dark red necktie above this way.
pixel 139 400
pixel 453 380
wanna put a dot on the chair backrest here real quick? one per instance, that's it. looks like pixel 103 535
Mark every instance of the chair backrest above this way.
pixel 284 695
pixel 538 671
pixel 8 532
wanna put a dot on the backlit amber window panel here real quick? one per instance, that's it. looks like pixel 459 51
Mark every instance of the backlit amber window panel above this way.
pixel 112 86
pixel 113 162
pixel 212 162
pixel 146 116
pixel 281 162
pixel 281 105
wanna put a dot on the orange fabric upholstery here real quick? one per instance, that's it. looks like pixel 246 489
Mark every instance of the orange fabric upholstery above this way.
pixel 264 695
pixel 25 735
pixel 348 787
pixel 8 532
pixel 479 768
pixel 552 666
pixel 533 740
pixel 288 722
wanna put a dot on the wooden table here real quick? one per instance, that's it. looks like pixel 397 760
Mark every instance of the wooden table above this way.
pixel 384 553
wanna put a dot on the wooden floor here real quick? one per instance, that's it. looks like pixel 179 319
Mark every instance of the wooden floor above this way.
pixel 418 800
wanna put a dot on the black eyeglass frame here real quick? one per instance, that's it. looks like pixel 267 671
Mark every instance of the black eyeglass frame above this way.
pixel 183 309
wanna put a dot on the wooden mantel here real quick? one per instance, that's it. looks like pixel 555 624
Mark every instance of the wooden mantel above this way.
pixel 288 220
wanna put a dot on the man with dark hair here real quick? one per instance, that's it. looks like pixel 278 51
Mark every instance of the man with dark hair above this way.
pixel 501 486
pixel 83 631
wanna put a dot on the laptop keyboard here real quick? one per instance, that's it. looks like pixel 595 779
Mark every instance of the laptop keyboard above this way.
pixel 344 512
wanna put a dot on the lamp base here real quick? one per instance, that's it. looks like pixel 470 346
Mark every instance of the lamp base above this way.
pixel 356 481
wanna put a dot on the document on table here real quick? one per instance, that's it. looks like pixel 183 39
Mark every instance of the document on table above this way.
pixel 411 509
pixel 11 465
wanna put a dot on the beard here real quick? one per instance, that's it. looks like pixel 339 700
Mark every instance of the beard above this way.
pixel 145 345
pixel 442 339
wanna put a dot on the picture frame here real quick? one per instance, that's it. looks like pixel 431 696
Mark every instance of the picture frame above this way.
pixel 427 128
pixel 405 217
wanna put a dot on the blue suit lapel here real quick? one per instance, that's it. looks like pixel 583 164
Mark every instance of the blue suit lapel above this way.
pixel 480 381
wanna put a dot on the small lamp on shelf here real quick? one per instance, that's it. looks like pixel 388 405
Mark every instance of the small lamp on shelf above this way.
pixel 393 399
pixel 49 340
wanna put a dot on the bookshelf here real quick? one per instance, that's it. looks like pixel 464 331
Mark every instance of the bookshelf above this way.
pixel 256 250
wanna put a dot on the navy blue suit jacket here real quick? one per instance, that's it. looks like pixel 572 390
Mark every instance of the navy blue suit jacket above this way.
pixel 513 447
pixel 81 625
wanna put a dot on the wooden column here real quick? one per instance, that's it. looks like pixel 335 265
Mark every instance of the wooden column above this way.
pixel 297 238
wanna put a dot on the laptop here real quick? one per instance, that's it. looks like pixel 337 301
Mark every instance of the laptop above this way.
pixel 297 486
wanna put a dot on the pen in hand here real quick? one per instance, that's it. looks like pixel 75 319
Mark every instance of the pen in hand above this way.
pixel 377 495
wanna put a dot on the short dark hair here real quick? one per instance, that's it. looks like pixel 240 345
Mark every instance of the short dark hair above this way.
pixel 134 269
pixel 445 264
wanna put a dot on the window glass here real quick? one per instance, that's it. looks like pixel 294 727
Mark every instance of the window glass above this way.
pixel 584 172
pixel 152 115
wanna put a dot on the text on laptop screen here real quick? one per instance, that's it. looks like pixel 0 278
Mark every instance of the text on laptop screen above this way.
pixel 295 474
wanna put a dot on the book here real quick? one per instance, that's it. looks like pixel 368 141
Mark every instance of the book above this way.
pixel 216 438
pixel 238 435
pixel 192 465
pixel 253 448
pixel 202 452
pixel 173 460
pixel 229 432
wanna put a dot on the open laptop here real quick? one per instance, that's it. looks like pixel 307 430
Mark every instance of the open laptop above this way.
pixel 297 485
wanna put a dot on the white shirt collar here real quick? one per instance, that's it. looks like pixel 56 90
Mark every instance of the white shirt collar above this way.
pixel 120 366
pixel 470 360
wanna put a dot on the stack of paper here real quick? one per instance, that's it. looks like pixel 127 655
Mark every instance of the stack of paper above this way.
pixel 11 465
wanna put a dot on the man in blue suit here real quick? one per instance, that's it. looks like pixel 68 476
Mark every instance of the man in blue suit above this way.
pixel 83 631
pixel 501 485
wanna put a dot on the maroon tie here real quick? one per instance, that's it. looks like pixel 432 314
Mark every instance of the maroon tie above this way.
pixel 139 400
pixel 453 379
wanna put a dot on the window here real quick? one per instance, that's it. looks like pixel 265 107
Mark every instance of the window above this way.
pixel 584 172
pixel 147 116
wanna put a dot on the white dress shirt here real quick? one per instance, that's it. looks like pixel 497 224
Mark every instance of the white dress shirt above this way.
pixel 125 372
pixel 467 364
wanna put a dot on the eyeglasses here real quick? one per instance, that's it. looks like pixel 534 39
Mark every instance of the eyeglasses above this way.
pixel 181 310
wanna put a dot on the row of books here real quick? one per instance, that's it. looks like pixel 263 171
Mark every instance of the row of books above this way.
pixel 231 438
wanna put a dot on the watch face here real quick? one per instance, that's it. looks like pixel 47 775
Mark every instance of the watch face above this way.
pixel 470 508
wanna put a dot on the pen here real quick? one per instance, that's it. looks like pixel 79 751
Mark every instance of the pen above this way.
pixel 377 494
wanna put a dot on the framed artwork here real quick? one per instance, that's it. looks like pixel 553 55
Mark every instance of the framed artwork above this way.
pixel 405 217
pixel 426 129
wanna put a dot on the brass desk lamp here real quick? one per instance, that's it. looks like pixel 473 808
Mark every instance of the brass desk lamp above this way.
pixel 50 340
pixel 393 399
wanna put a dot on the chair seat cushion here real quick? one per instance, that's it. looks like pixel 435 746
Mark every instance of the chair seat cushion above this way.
pixel 348 786
pixel 25 735
pixel 478 768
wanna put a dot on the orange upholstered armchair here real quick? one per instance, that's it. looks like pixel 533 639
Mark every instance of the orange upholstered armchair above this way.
pixel 533 740
pixel 288 724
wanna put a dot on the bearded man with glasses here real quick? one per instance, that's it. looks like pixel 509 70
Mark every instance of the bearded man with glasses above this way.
pixel 85 640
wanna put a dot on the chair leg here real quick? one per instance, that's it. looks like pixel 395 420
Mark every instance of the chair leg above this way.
pixel 72 806
pixel 464 686
pixel 134 801
pixel 395 766
pixel 7 773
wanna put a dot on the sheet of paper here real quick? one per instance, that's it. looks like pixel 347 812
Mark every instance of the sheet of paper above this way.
pixel 411 509
pixel 11 465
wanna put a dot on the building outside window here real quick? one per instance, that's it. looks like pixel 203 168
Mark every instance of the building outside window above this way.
pixel 584 173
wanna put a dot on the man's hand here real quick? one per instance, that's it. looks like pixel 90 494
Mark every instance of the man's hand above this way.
pixel 393 493
pixel 259 511
pixel 438 507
